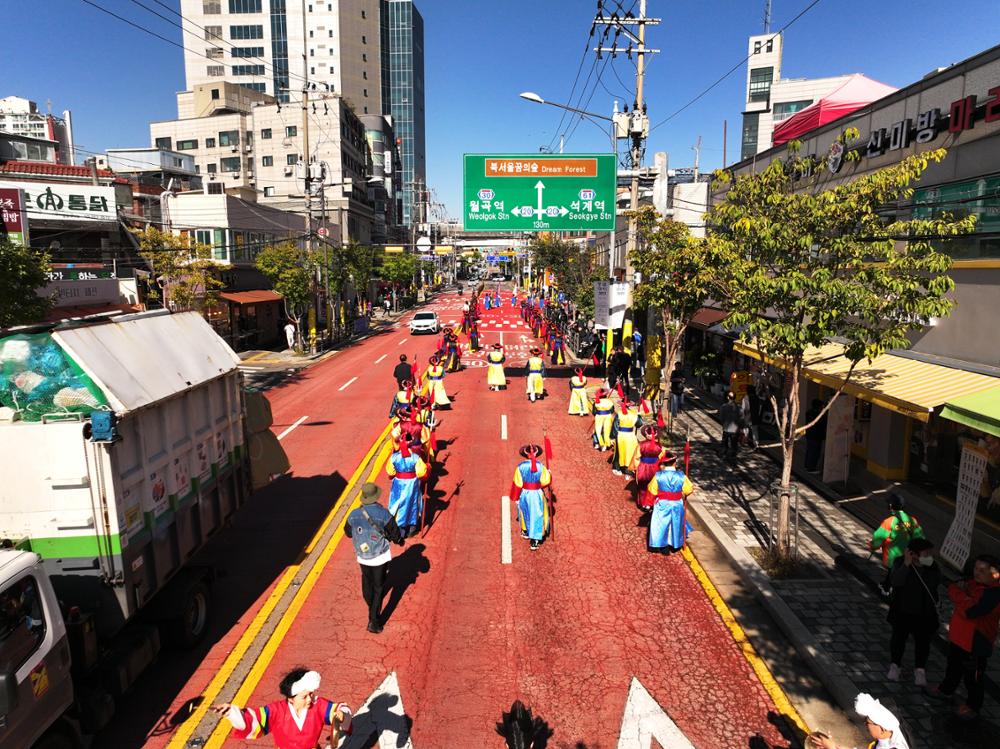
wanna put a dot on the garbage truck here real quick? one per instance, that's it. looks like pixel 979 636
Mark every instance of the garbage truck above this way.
pixel 123 446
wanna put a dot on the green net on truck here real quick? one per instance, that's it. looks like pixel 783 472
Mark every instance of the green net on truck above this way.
pixel 37 379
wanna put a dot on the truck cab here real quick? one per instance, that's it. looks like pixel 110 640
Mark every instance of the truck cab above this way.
pixel 35 679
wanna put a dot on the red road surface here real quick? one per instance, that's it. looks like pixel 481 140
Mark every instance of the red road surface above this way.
pixel 564 628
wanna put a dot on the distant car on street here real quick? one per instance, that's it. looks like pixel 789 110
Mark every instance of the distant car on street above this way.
pixel 425 322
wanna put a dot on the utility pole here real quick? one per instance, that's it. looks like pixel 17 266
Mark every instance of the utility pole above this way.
pixel 638 121
pixel 307 170
pixel 697 157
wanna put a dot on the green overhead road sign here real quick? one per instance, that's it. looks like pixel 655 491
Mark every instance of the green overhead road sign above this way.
pixel 540 192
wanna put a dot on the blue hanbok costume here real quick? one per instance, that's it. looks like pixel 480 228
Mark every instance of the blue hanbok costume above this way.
pixel 407 470
pixel 667 524
pixel 532 509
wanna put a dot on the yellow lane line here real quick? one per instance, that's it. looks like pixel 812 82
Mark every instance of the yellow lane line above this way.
pixel 767 680
pixel 225 672
pixel 246 690
pixel 257 356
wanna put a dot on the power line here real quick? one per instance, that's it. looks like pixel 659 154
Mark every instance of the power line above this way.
pixel 735 67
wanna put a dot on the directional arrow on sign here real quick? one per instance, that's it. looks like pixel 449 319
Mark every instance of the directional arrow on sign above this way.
pixel 540 187
pixel 383 716
pixel 644 720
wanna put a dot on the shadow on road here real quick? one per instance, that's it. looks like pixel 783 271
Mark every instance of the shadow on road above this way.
pixel 403 573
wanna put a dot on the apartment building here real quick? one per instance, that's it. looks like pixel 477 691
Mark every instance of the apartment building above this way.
pixel 21 117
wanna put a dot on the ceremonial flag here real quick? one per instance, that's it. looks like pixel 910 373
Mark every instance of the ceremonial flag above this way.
pixel 687 456
pixel 645 406
pixel 597 362
pixel 548 451
pixel 659 419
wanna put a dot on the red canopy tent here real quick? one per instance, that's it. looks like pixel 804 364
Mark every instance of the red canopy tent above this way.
pixel 858 91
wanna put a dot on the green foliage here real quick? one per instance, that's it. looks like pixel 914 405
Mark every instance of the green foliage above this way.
pixel 22 273
pixel 361 260
pixel 398 269
pixel 573 266
pixel 292 272
pixel 186 275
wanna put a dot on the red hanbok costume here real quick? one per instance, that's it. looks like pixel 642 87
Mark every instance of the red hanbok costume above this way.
pixel 646 467
pixel 288 730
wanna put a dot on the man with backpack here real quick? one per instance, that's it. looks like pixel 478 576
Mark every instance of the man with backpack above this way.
pixel 892 537
pixel 371 527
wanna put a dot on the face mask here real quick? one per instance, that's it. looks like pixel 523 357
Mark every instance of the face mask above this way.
pixel 926 561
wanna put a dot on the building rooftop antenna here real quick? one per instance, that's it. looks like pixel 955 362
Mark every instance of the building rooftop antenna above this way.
pixel 767 16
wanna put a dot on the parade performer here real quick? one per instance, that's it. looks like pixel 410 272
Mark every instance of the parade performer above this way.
pixel 297 721
pixel 668 524
pixel 536 371
pixel 495 376
pixel 647 463
pixel 473 335
pixel 406 495
pixel 403 415
pixel 402 397
pixel 452 357
pixel 626 424
pixel 531 493
pixel 513 300
pixel 497 302
pixel 487 302
pixel 558 347
pixel 578 403
pixel 435 383
pixel 604 416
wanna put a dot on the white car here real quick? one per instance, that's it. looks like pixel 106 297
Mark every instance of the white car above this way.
pixel 425 322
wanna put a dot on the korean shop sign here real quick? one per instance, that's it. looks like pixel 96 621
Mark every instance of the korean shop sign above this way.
pixel 533 192
pixel 58 202
pixel 14 222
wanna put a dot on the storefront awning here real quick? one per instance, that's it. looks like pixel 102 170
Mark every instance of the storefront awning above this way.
pixel 980 411
pixel 907 386
pixel 251 297
pixel 706 317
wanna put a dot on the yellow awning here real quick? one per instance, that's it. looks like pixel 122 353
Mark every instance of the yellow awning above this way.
pixel 907 386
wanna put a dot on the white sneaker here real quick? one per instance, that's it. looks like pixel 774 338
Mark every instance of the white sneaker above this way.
pixel 920 677
pixel 893 674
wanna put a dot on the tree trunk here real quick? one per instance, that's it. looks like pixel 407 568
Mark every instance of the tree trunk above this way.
pixel 788 434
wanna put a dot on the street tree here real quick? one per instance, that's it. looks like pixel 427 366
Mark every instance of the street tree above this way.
pixel 398 269
pixel 572 265
pixel 361 262
pixel 680 274
pixel 818 264
pixel 185 275
pixel 22 274
pixel 292 273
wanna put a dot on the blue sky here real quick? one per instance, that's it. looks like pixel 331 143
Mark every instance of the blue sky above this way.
pixel 481 54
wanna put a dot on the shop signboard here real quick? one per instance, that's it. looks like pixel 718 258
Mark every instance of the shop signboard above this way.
pixel 958 541
pixel 602 304
pixel 617 305
pixel 15 223
pixel 67 202
pixel 837 451
pixel 539 192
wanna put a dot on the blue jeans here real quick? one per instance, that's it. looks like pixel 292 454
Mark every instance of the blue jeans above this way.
pixel 676 403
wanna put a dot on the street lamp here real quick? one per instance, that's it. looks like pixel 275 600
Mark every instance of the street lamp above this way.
pixel 591 116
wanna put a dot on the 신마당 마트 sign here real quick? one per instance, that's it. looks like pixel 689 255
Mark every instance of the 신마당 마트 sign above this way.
pixel 539 192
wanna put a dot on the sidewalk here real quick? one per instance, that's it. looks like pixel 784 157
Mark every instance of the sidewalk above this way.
pixel 830 611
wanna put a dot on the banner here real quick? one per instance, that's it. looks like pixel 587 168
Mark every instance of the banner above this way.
pixel 14 224
pixel 602 304
pixel 839 428
pixel 617 304
pixel 958 543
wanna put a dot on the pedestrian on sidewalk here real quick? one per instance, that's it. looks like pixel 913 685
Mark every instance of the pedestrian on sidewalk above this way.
pixel 913 608
pixel 972 633
pixel 677 380
pixel 882 725
pixel 495 376
pixel 290 334
pixel 402 371
pixel 297 720
pixel 729 415
pixel 387 305
pixel 621 365
pixel 815 436
pixel 371 527
pixel 531 493
pixel 892 536
pixel 536 371
pixel 668 524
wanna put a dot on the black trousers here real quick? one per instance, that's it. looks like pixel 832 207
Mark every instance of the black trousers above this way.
pixel 963 665
pixel 373 588
pixel 730 444
pixel 921 642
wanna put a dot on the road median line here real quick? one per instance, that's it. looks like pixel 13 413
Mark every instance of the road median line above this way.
pixel 281 591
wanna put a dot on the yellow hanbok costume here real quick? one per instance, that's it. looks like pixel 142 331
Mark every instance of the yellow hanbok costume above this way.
pixel 579 405
pixel 535 383
pixel 604 416
pixel 435 384
pixel 495 376
pixel 626 439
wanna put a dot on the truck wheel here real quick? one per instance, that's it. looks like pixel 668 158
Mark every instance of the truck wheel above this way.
pixel 189 629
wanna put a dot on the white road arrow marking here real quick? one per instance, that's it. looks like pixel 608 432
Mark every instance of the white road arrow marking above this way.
pixel 381 715
pixel 644 720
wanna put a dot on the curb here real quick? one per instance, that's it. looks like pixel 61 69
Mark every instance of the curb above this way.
pixel 830 674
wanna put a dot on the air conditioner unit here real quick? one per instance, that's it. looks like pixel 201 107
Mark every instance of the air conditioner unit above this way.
pixel 211 177
pixel 288 171
pixel 249 149
pixel 235 149
pixel 253 182
pixel 236 175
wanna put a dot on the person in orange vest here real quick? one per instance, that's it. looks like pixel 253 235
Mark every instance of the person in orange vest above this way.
pixel 892 536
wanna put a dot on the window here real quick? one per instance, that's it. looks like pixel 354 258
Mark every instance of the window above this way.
pixel 364 39
pixel 166 143
pixel 749 144
pixel 214 53
pixel 364 15
pixel 267 161
pixel 756 48
pixel 310 33
pixel 785 109
pixel 292 159
pixel 244 6
pixel 215 94
pixel 770 45
pixel 216 71
pixel 312 71
pixel 366 93
pixel 331 33
pixel 265 134
pixel 187 145
pixel 231 164
pixel 209 142
pixel 247 52
pixel 211 7
pixel 213 32
pixel 291 131
pixel 211 167
pixel 197 169
pixel 23 626
pixel 229 138
pixel 261 87
pixel 312 53
pixel 248 70
pixel 246 32
pixel 364 73
pixel 760 83
pixel 268 192
pixel 215 188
